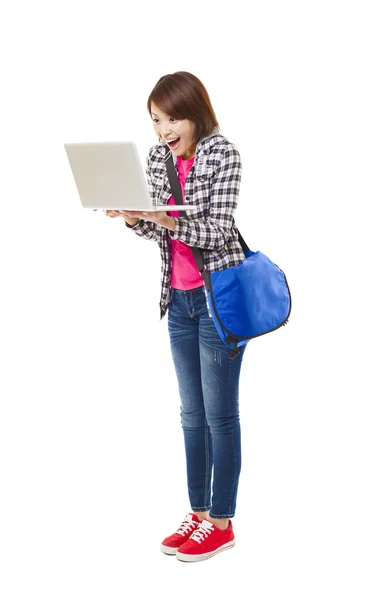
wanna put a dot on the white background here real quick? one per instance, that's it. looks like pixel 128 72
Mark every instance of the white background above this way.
pixel 92 469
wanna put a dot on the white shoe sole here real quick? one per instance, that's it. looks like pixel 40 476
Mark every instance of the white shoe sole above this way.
pixel 168 550
pixel 196 557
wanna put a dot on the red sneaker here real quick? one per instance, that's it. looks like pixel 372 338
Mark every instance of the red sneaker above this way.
pixel 206 541
pixel 171 544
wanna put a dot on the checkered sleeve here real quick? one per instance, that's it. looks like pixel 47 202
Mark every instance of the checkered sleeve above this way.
pixel 213 232
pixel 144 230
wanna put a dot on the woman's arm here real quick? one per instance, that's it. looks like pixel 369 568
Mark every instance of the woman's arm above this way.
pixel 143 229
pixel 215 230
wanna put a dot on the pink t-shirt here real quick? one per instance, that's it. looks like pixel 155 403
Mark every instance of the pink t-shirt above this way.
pixel 185 274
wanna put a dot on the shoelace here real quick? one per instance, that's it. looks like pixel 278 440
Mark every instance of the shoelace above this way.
pixel 186 527
pixel 201 533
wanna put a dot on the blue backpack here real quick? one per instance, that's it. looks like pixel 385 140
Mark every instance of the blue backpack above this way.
pixel 245 301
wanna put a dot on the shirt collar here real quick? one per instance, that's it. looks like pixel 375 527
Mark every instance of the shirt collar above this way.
pixel 204 145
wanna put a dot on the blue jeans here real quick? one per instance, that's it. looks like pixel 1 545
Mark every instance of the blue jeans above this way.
pixel 208 383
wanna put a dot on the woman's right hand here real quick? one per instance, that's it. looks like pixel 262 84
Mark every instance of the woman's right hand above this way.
pixel 112 213
pixel 130 216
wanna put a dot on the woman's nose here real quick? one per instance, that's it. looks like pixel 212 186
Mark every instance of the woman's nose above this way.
pixel 165 130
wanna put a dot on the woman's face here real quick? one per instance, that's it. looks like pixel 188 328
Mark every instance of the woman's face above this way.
pixel 179 134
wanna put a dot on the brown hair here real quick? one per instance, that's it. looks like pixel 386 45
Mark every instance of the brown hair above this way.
pixel 183 96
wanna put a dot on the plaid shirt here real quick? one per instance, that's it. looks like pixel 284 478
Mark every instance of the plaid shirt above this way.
pixel 212 185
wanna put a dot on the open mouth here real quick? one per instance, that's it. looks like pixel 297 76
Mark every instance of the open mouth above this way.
pixel 173 144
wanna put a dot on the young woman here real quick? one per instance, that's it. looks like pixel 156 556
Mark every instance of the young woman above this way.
pixel 209 170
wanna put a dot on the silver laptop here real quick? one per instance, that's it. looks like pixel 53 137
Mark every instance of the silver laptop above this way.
pixel 109 175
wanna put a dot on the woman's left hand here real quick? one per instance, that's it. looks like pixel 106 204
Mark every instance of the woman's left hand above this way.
pixel 160 218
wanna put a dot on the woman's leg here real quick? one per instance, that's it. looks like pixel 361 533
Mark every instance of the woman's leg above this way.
pixel 220 388
pixel 183 324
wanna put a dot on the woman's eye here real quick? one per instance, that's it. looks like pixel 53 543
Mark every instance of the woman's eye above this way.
pixel 172 119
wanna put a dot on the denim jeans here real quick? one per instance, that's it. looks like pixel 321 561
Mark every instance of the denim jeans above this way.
pixel 208 382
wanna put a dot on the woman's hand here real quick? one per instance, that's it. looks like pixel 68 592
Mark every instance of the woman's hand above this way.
pixel 155 217
pixel 132 216
pixel 112 213
pixel 128 214
pixel 160 218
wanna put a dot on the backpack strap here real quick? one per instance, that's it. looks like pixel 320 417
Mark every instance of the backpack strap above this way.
pixel 177 193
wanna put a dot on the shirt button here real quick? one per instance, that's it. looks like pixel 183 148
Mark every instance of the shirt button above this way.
pixel 187 197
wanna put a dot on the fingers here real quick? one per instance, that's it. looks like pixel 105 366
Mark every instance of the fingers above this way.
pixel 131 214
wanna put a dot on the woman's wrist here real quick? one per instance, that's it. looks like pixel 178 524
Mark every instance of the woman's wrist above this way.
pixel 131 222
pixel 169 223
